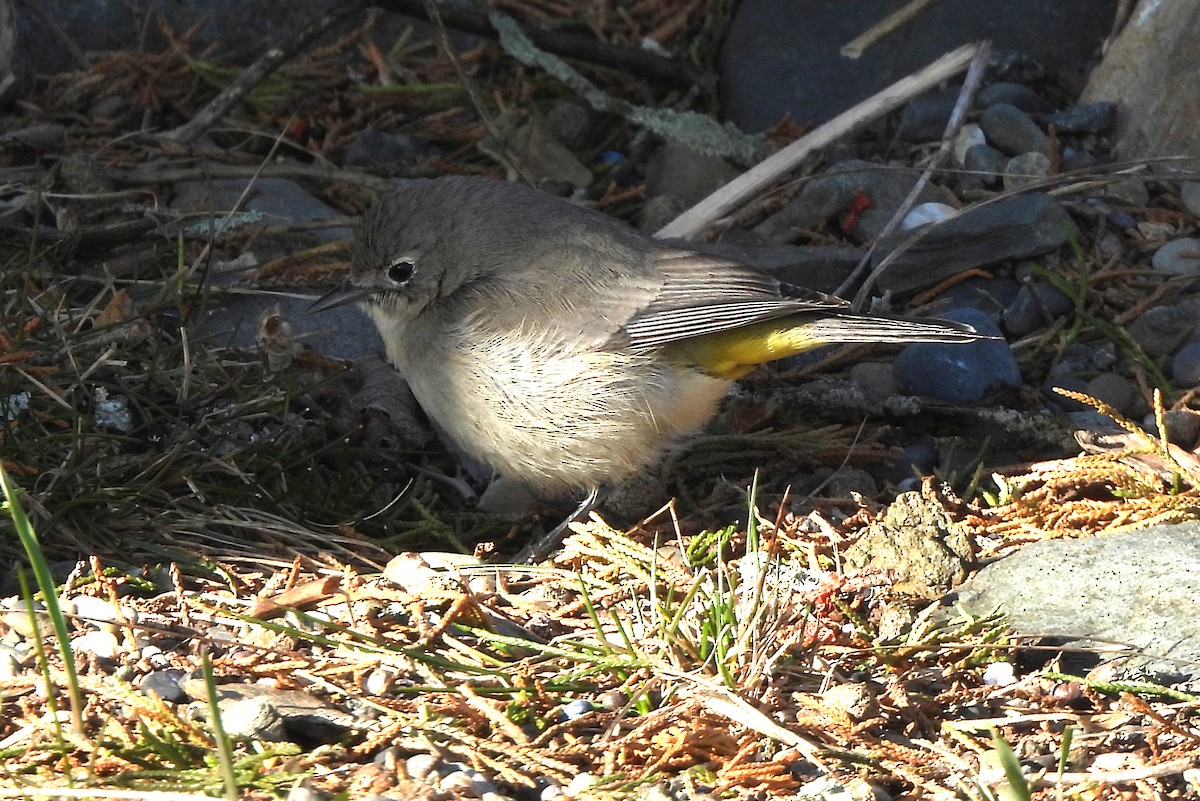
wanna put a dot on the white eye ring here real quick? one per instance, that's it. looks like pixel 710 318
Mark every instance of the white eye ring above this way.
pixel 401 271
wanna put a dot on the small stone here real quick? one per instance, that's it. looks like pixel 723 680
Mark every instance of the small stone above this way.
pixel 958 373
pixel 576 709
pixel 579 782
pixel 421 767
pixel 1183 427
pixel 10 663
pixel 999 674
pixel 1011 131
pixel 987 162
pixel 1036 304
pixel 1179 256
pixel 102 644
pixel 94 610
pixel 924 118
pixel 1014 94
pixel 1113 389
pixel 302 793
pixel 1189 195
pixel 925 214
pixel 165 684
pixel 1185 366
pixel 468 782
pixel 852 698
pixel 1130 192
pixel 969 136
pixel 920 458
pixel 1161 329
pixel 254 718
pixel 1095 118
pixel 1025 170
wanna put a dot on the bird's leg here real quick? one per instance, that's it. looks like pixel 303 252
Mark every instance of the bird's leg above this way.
pixel 541 547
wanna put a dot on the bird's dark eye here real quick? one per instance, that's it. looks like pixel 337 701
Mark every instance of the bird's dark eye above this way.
pixel 401 271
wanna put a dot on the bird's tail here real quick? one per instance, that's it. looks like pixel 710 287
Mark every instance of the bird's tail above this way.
pixel 847 328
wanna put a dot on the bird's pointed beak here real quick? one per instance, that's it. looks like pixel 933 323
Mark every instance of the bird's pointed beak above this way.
pixel 343 294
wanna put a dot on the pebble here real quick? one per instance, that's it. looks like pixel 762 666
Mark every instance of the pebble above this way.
pixel 1036 304
pixel 1011 131
pixel 1014 94
pixel 1113 389
pixel 852 698
pixel 1094 118
pixel 576 709
pixel 924 118
pixel 926 213
pixel 1183 426
pixel 1179 256
pixel 999 674
pixel 302 793
pixel 102 644
pixel 1068 382
pixel 10 662
pixel 254 718
pixel 1161 329
pixel 919 457
pixel 1185 366
pixel 1189 195
pixel 468 782
pixel 421 767
pixel 166 684
pixel 968 136
pixel 987 162
pixel 958 374
pixel 1025 170
pixel 96 611
pixel 1130 192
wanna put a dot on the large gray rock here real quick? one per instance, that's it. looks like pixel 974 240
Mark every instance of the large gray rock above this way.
pixel 1133 597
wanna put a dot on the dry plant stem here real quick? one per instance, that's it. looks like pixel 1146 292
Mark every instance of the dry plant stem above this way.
pixel 957 117
pixel 435 16
pixel 253 75
pixel 152 174
pixel 641 63
pixel 885 27
pixel 745 186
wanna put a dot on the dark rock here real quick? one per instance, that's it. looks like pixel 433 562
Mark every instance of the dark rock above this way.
pixel 1036 304
pixel 1014 94
pixel 987 161
pixel 1113 389
pixel 924 118
pixel 781 57
pixel 1140 589
pixel 1178 257
pixel 831 193
pixel 1185 366
pixel 1161 329
pixel 1011 131
pixel 1015 228
pixel 958 374
pixel 1095 118
pixel 681 172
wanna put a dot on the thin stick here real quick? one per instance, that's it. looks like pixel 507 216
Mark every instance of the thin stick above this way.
pixel 965 97
pixel 902 16
pixel 745 186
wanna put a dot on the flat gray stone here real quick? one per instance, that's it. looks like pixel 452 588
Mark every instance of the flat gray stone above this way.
pixel 1140 590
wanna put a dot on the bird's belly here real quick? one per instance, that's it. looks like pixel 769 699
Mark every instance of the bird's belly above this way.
pixel 560 421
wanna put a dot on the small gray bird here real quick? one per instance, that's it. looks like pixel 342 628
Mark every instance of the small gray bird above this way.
pixel 563 348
